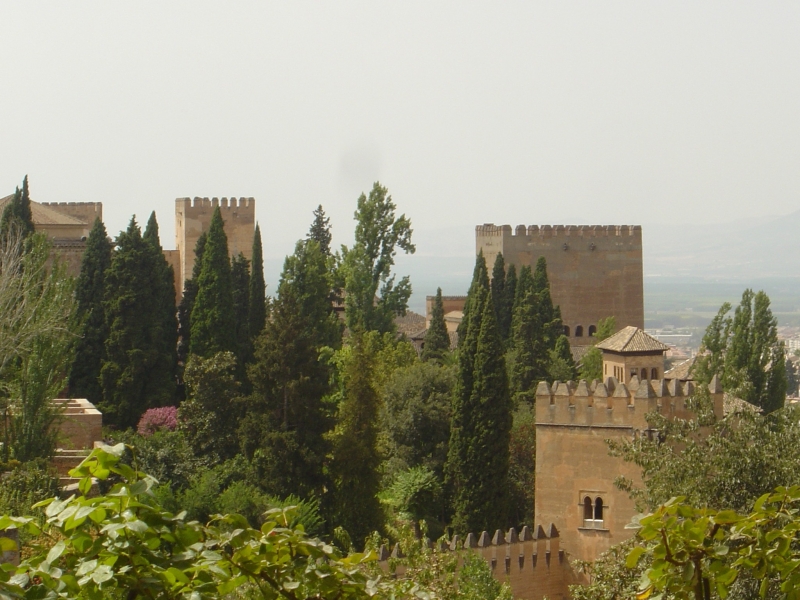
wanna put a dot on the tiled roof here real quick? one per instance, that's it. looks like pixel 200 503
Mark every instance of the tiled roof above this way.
pixel 681 371
pixel 410 324
pixel 578 352
pixel 44 215
pixel 632 339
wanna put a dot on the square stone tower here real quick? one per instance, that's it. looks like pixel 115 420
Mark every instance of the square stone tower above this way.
pixel 193 217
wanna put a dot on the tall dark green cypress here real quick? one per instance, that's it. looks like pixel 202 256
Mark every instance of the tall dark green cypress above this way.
pixel 17 213
pixel 321 231
pixel 437 340
pixel 84 378
pixel 478 457
pixel 135 370
pixel 213 326
pixel 499 294
pixel 549 315
pixel 164 335
pixel 258 294
pixel 187 300
pixel 240 278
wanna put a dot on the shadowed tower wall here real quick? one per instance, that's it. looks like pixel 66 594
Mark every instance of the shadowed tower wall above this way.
pixel 594 271
pixel 193 217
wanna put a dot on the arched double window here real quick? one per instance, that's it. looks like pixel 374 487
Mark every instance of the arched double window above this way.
pixel 593 512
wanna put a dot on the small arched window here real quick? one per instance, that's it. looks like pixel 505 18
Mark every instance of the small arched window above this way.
pixel 598 509
pixel 587 509
pixel 592 330
pixel 654 373
pixel 566 330
pixel 579 331
pixel 644 373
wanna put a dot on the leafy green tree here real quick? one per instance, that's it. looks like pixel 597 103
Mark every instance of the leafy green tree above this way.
pixel 478 459
pixel 17 215
pixel 135 374
pixel 164 335
pixel 84 378
pixel 287 413
pixel 592 361
pixel 499 297
pixel 320 231
pixel 355 458
pixel 187 300
pixel 258 298
pixel 745 352
pixel 240 277
pixel 522 466
pixel 35 375
pixel 562 365
pixel 367 266
pixel 791 377
pixel 213 324
pixel 437 340
pixel 415 417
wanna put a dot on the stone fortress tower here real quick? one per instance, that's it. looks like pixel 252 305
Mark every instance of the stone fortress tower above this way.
pixel 595 271
pixel 193 217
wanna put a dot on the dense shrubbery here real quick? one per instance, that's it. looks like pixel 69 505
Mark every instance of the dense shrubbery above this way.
pixel 158 419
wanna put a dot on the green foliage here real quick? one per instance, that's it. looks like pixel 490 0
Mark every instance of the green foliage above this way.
pixel 137 372
pixel 187 300
pixel 258 299
pixel 592 361
pixel 17 219
pixel 502 308
pixel 508 303
pixel 367 266
pixel 26 485
pixel 209 416
pixel 125 544
pixel 415 417
pixel 745 352
pixel 355 458
pixel 286 414
pixel 475 581
pixel 562 365
pixel 609 576
pixel 733 462
pixel 522 466
pixel 700 552
pixel 34 288
pixel 84 378
pixel 416 495
pixel 304 513
pixel 240 278
pixel 212 320
pixel 320 231
pixel 437 340
pixel 478 460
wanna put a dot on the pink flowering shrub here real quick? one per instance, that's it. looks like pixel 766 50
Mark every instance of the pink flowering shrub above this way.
pixel 156 419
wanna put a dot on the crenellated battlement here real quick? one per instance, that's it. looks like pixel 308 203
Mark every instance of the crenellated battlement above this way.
pixel 614 404
pixel 531 561
pixel 96 206
pixel 554 231
pixel 223 203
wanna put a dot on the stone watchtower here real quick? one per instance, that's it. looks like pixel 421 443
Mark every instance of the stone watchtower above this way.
pixel 574 472
pixel 595 271
pixel 193 217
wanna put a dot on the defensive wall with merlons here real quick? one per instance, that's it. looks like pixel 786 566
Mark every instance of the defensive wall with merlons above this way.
pixel 595 271
pixel 574 472
pixel 193 217
pixel 532 562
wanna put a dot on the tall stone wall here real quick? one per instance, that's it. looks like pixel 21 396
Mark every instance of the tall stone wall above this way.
pixel 83 211
pixel 594 271
pixel 193 217
pixel 532 562
pixel 573 422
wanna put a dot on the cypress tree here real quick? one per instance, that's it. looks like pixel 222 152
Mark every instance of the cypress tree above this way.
pixel 562 364
pixel 164 335
pixel 480 433
pixel 84 379
pixel 549 315
pixel 437 340
pixel 212 320
pixel 470 325
pixel 187 300
pixel 506 314
pixel 17 213
pixel 258 300
pixel 321 231
pixel 240 278
pixel 135 371
pixel 499 292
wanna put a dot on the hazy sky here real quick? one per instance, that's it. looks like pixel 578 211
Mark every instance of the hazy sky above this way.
pixel 514 112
